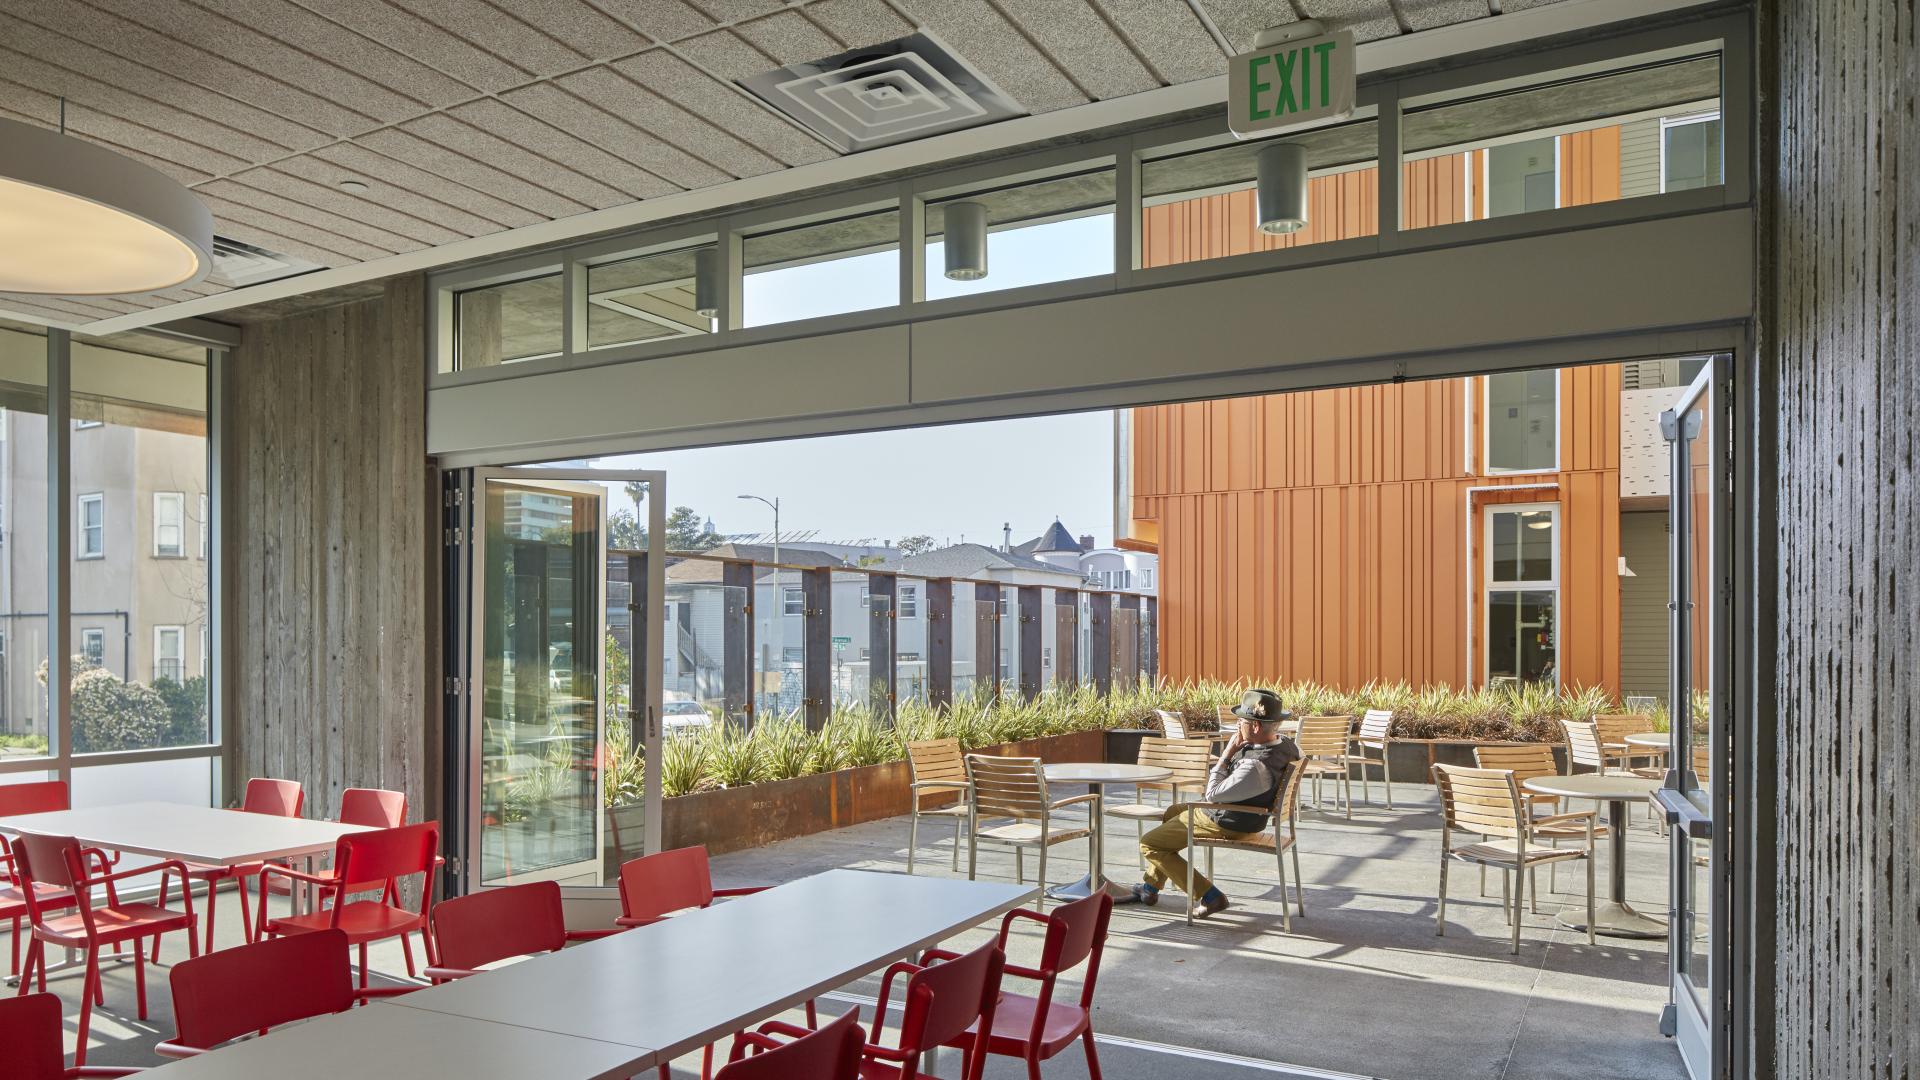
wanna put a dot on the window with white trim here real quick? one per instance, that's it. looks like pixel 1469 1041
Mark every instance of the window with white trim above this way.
pixel 793 602
pixel 1522 595
pixel 169 645
pixel 169 524
pixel 93 645
pixel 90 527
pixel 909 601
pixel 1522 428
pixel 1690 151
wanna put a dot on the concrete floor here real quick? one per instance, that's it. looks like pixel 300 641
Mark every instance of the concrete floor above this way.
pixel 1361 987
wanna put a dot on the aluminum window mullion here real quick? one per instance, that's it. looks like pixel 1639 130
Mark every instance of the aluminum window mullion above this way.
pixel 60 550
pixel 730 265
pixel 1387 166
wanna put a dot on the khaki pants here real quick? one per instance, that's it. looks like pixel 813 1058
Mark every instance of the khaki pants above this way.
pixel 1162 846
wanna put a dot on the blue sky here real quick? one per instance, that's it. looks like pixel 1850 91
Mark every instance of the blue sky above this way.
pixel 962 480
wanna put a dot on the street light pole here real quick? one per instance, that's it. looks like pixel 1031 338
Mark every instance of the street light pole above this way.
pixel 775 504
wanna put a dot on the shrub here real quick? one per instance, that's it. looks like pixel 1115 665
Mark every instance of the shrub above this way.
pixel 112 715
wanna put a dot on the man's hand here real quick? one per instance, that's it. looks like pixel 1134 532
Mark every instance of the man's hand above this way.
pixel 1233 743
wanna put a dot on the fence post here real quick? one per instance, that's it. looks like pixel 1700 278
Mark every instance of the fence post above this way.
pixel 736 641
pixel 1150 644
pixel 939 600
pixel 1100 639
pixel 1126 640
pixel 882 682
pixel 816 593
pixel 986 639
pixel 1066 638
pixel 1030 644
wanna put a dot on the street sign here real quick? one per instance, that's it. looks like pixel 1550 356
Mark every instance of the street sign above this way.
pixel 840 643
pixel 1281 87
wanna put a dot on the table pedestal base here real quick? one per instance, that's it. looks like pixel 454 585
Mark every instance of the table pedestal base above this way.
pixel 1613 918
pixel 1083 888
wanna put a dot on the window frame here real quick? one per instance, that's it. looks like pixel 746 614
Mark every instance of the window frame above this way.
pixel 179 501
pixel 1484 413
pixel 1490 586
pixel 89 637
pixel 80 527
pixel 793 600
pixel 179 632
pixel 1668 123
pixel 907 603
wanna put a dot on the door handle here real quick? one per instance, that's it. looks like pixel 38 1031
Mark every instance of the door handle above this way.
pixel 653 723
pixel 1682 814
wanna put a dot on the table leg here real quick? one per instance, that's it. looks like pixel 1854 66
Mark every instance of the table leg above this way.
pixel 1613 916
pixel 1096 877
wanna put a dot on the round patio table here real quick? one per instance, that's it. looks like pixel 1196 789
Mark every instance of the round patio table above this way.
pixel 1652 740
pixel 1613 916
pixel 1096 776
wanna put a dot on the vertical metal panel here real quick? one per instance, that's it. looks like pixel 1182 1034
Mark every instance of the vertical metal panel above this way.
pixel 986 640
pixel 816 590
pixel 1031 636
pixel 882 679
pixel 940 632
pixel 1066 638
pixel 736 640
pixel 1100 639
pixel 59 544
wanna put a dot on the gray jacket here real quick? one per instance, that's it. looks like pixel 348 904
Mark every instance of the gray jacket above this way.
pixel 1252 778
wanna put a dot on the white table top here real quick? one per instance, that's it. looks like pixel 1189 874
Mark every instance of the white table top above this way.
pixel 679 984
pixel 1593 786
pixel 1093 772
pixel 194 833
pixel 387 1040
pixel 1658 739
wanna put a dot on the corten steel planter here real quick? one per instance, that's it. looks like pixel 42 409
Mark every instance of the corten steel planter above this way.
pixel 734 819
pixel 1412 760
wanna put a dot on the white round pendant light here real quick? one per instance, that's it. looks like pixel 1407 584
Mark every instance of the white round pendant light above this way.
pixel 80 220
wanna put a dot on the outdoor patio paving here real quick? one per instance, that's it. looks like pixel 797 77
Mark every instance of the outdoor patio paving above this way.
pixel 1361 987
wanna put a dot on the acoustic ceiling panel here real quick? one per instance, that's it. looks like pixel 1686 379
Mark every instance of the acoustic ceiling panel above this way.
pixel 554 145
pixel 1079 39
pixel 391 207
pixel 976 30
pixel 555 105
pixel 1171 37
pixel 860 22
pixel 789 37
pixel 724 106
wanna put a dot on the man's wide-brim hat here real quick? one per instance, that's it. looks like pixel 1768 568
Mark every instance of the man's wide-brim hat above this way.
pixel 1262 706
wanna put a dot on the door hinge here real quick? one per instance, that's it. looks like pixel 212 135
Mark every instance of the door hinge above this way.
pixel 456 685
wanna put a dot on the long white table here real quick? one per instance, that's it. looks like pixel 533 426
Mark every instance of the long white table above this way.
pixel 193 833
pixel 623 1004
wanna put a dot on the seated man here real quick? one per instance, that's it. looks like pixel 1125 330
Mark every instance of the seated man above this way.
pixel 1251 769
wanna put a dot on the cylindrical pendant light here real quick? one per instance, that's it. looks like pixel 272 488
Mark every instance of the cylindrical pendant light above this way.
pixel 966 241
pixel 706 282
pixel 1281 196
pixel 80 220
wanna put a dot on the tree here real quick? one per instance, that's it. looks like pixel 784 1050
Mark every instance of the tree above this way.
pixel 917 544
pixel 624 532
pixel 686 531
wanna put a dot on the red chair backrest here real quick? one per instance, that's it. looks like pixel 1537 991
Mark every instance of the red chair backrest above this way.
pixel 30 1030
pixel 1076 931
pixel 668 881
pixel 58 862
pixel 832 1053
pixel 37 797
pixel 371 859
pixel 227 993
pixel 481 928
pixel 281 798
pixel 945 999
pixel 377 807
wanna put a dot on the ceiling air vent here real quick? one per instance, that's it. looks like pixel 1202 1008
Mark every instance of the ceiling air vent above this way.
pixel 884 94
pixel 237 264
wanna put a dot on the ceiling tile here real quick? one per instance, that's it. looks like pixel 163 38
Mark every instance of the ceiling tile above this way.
pixel 387 204
pixel 727 11
pixel 975 30
pixel 499 150
pixel 415 151
pixel 163 132
pixel 556 106
pixel 383 169
pixel 618 96
pixel 290 210
pixel 729 56
pixel 64 309
pixel 497 30
pixel 307 68
pixel 362 52
pixel 725 107
pixel 581 27
pixel 32 107
pixel 158 53
pixel 556 144
pixel 1239 20
pixel 446 51
pixel 242 222
pixel 368 217
pixel 1078 39
pixel 859 23
pixel 1429 14
pixel 1170 35
pixel 789 37
pixel 661 20
pixel 1368 19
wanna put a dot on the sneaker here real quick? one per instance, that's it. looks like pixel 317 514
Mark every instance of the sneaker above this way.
pixel 1146 894
pixel 1211 904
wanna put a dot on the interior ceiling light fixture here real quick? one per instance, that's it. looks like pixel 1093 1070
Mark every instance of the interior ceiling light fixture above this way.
pixel 966 241
pixel 80 220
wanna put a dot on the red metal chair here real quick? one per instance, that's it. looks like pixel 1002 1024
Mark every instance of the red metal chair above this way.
pixel 375 807
pixel 486 927
pixel 1036 1028
pixel 367 862
pixel 831 1053
pixel 257 987
pixel 655 886
pixel 37 797
pixel 277 798
pixel 60 862
pixel 31 1031
pixel 944 1000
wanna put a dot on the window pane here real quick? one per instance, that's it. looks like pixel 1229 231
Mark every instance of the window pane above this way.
pixel 1522 421
pixel 148 463
pixel 1522 545
pixel 1200 205
pixel 23 543
pixel 648 298
pixel 1566 140
pixel 502 324
pixel 1050 230
pixel 1520 636
pixel 1691 156
pixel 826 268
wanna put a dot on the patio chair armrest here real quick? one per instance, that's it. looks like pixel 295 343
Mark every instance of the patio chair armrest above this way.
pixel 364 993
pixel 591 935
pixel 448 973
pixel 102 1070
pixel 1192 806
pixel 177 1050
pixel 898 967
pixel 1006 922
pixel 747 891
pixel 628 922
pixel 1557 819
pixel 759 1042
pixel 950 785
pixel 1087 798
pixel 324 881
pixel 935 956
pixel 170 866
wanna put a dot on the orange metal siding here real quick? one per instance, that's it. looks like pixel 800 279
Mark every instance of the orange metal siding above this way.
pixel 1325 535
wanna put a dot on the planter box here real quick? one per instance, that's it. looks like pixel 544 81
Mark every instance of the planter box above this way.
pixel 1123 744
pixel 1411 760
pixel 734 819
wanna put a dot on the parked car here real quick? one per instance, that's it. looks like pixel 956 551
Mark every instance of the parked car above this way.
pixel 684 718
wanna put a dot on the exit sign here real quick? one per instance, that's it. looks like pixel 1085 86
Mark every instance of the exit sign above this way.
pixel 1277 88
